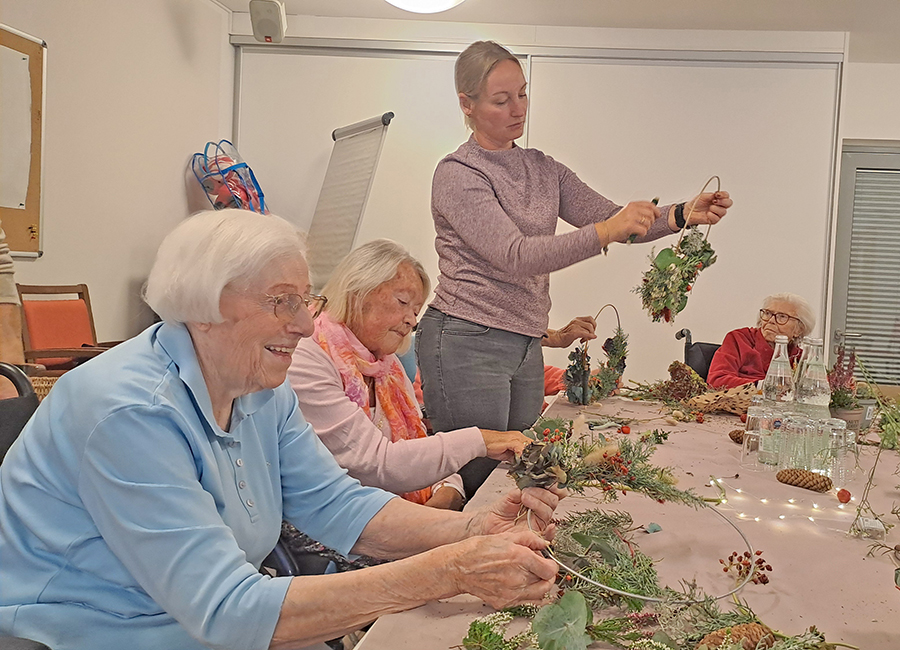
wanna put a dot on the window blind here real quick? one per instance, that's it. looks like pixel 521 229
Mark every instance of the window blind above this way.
pixel 873 291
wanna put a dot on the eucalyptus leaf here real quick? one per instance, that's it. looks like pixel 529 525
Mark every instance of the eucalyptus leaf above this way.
pixel 665 257
pixel 592 543
pixel 561 625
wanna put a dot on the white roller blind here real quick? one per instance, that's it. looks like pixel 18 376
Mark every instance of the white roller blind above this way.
pixel 873 288
pixel 342 199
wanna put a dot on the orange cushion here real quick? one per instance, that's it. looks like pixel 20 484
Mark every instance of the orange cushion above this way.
pixel 57 324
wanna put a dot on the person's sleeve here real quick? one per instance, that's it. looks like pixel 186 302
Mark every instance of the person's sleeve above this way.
pixel 553 380
pixel 725 369
pixel 580 205
pixel 465 198
pixel 8 292
pixel 139 481
pixel 359 446
pixel 318 495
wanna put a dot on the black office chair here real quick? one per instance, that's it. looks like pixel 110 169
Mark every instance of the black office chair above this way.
pixel 697 355
pixel 14 413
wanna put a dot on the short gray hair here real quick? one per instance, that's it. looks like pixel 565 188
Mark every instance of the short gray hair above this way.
pixel 804 312
pixel 363 270
pixel 474 65
pixel 209 251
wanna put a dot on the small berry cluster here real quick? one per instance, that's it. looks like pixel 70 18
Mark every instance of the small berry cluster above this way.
pixel 621 471
pixel 744 564
pixel 552 436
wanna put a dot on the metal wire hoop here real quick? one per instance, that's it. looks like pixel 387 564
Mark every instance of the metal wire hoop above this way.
pixel 654 599
pixel 691 210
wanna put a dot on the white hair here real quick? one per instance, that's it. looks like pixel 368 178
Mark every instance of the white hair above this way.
pixel 209 251
pixel 804 312
pixel 363 270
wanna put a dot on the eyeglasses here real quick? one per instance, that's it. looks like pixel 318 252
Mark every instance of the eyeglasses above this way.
pixel 780 317
pixel 287 305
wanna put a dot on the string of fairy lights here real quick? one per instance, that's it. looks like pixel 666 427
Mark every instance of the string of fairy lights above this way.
pixel 818 509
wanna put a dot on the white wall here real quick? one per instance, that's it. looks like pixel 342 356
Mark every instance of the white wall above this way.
pixel 133 89
pixel 871 108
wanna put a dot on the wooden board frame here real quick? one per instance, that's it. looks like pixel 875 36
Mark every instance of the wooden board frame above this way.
pixel 23 225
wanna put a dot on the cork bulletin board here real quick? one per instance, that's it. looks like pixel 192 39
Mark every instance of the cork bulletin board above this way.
pixel 23 63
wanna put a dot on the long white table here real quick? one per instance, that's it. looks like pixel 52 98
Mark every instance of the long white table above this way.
pixel 821 576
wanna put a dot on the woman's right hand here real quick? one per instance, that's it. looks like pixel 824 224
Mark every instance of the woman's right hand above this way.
pixel 503 570
pixel 634 219
pixel 503 445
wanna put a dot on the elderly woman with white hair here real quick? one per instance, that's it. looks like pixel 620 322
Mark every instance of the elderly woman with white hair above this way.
pixel 746 353
pixel 353 390
pixel 141 498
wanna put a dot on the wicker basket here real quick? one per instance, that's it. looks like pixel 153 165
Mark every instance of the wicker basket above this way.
pixel 42 385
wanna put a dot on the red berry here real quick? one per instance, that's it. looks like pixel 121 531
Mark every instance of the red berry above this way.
pixel 843 496
pixel 743 417
pixel 688 287
pixel 699 418
pixel 625 429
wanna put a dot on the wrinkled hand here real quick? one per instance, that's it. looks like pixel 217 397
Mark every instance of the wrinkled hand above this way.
pixel 583 328
pixel 509 513
pixel 503 570
pixel 710 208
pixel 634 219
pixel 504 445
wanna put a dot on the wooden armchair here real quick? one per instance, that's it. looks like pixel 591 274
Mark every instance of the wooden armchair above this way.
pixel 58 326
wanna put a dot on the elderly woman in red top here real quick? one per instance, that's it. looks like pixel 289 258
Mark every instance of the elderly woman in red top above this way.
pixel 746 353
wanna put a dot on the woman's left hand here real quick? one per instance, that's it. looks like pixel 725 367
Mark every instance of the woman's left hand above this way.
pixel 709 209
pixel 583 327
pixel 509 513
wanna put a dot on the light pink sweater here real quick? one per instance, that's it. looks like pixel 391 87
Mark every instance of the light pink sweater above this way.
pixel 495 215
pixel 363 447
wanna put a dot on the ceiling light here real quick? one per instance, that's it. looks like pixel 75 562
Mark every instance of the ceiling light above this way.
pixel 425 6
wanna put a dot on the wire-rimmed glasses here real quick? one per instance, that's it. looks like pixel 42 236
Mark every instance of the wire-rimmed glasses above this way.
pixel 780 317
pixel 286 305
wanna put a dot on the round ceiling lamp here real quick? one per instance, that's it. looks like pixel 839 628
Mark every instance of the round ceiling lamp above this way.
pixel 425 6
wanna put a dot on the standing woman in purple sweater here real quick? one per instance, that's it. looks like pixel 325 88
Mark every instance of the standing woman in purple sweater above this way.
pixel 495 207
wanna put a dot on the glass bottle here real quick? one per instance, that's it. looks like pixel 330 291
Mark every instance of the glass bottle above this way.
pixel 778 399
pixel 813 393
pixel 778 386
pixel 801 363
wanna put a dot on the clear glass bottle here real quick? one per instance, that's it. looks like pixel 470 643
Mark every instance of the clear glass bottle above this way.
pixel 813 392
pixel 801 363
pixel 778 386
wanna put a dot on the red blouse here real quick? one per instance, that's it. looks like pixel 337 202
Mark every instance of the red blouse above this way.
pixel 743 358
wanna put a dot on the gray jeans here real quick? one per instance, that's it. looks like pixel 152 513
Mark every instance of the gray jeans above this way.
pixel 474 375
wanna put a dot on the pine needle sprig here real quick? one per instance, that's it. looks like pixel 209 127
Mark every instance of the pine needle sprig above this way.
pixel 600 546
pixel 554 457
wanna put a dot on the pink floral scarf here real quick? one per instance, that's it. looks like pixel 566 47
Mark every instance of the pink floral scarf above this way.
pixel 355 362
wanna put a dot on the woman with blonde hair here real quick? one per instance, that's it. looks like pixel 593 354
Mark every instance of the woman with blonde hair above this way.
pixel 354 391
pixel 496 207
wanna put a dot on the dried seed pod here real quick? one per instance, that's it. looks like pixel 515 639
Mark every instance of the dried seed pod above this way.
pixel 805 479
pixel 751 636
pixel 737 435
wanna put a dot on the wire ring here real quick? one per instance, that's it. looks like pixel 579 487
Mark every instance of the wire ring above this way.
pixel 654 599
pixel 687 219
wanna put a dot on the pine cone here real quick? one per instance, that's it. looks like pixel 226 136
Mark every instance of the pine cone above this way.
pixel 737 435
pixel 805 479
pixel 749 634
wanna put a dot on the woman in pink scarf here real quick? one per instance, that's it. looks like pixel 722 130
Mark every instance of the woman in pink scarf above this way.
pixel 354 391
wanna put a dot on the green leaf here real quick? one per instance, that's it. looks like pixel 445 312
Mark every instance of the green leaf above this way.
pixel 561 625
pixel 665 257
pixel 592 543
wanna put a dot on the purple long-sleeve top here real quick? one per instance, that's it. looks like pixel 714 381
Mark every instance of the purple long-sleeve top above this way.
pixel 495 214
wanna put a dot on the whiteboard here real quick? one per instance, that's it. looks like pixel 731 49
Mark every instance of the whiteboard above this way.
pixel 631 128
